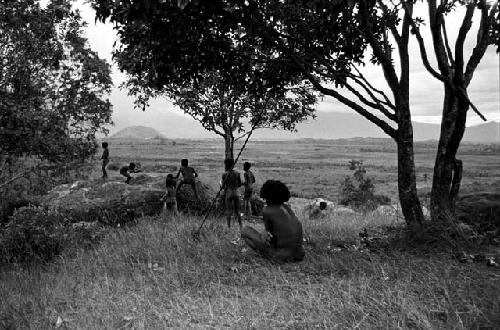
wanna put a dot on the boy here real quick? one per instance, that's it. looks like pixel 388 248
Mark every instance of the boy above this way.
pixel 105 159
pixel 249 180
pixel 283 238
pixel 125 170
pixel 169 200
pixel 231 181
pixel 188 176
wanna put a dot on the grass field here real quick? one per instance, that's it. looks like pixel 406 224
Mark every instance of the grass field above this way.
pixel 155 275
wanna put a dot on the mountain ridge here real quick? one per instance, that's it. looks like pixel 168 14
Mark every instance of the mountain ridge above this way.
pixel 328 125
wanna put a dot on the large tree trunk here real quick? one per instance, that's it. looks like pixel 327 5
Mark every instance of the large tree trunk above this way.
pixel 448 169
pixel 229 146
pixel 407 182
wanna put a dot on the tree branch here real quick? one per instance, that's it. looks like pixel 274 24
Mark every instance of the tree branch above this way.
pixel 389 130
pixel 388 68
pixel 435 21
pixel 376 104
pixel 387 102
pixel 483 40
pixel 447 44
pixel 459 44
pixel 394 30
pixel 423 51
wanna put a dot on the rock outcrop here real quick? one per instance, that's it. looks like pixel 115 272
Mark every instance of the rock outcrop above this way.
pixel 481 210
pixel 318 208
pixel 117 202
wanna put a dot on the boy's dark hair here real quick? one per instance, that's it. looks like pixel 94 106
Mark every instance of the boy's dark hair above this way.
pixel 131 166
pixel 105 144
pixel 228 163
pixel 274 192
pixel 170 181
pixel 246 166
pixel 184 162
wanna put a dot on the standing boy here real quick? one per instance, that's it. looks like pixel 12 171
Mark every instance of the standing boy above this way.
pixel 169 199
pixel 249 180
pixel 105 159
pixel 188 176
pixel 231 181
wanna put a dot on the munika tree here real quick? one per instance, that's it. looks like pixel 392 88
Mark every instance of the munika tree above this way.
pixel 232 109
pixel 455 72
pixel 52 85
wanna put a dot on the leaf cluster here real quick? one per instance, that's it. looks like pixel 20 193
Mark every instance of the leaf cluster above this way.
pixel 52 85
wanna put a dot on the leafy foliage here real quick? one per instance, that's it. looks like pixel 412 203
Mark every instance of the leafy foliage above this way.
pixel 52 86
pixel 228 106
pixel 33 234
pixel 358 191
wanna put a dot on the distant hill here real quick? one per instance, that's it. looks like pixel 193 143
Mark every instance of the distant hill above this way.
pixel 327 125
pixel 137 132
pixel 488 132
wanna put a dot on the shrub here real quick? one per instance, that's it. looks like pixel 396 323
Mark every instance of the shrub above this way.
pixel 113 167
pixel 358 191
pixel 34 234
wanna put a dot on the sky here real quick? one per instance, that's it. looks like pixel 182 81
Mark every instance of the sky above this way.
pixel 426 93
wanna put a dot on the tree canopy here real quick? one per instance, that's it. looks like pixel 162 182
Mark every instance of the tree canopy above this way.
pixel 53 87
pixel 232 110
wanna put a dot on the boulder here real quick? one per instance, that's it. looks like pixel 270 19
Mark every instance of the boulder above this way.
pixel 318 208
pixel 117 202
pixel 480 210
pixel 186 201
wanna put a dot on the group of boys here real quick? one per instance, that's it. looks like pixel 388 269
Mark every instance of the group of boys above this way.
pixel 283 235
pixel 230 184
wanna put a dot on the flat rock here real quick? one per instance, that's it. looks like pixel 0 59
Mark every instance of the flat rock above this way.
pixel 116 201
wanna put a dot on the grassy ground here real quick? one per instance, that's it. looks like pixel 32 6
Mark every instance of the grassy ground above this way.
pixel 155 275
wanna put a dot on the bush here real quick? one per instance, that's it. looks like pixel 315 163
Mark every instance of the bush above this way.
pixel 358 191
pixel 34 234
pixel 113 167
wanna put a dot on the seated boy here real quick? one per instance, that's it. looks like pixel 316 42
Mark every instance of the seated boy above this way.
pixel 282 240
pixel 125 170
pixel 169 199
pixel 249 180
pixel 231 181
pixel 188 175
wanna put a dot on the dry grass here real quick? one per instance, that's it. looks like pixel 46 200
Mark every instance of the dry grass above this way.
pixel 155 275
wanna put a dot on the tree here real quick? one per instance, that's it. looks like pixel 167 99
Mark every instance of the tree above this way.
pixel 455 73
pixel 324 42
pixel 230 108
pixel 52 85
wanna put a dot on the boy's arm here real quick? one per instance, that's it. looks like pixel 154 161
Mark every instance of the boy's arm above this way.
pixel 267 221
pixel 178 173
pixel 222 182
